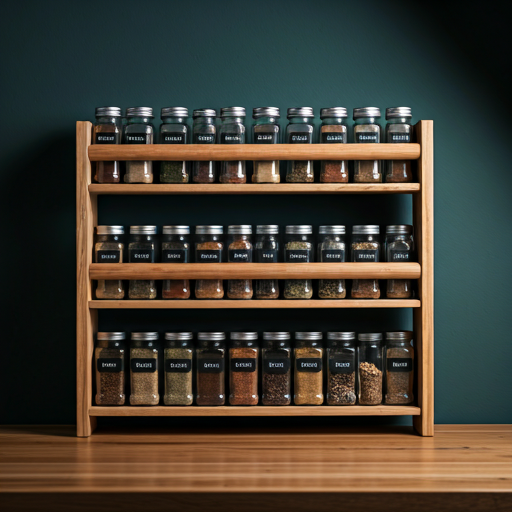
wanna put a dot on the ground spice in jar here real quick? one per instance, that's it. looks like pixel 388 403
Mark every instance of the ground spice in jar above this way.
pixel 398 289
pixel 204 132
pixel 266 131
pixel 138 130
pixel 266 250
pixel 399 248
pixel 178 358
pixel 398 131
pixel 365 289
pixel 142 249
pixel 308 370
pixel 333 171
pixel 240 251
pixel 243 374
pixel 209 288
pixel 144 369
pixel 107 131
pixel 331 249
pixel 370 383
pixel 109 249
pixel 399 368
pixel 110 373
pixel 367 171
pixel 365 248
pixel 175 249
pixel 210 356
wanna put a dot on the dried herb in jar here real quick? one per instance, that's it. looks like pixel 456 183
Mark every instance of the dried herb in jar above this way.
pixel 144 369
pixel 298 248
pixel 178 358
pixel 331 249
pixel 300 131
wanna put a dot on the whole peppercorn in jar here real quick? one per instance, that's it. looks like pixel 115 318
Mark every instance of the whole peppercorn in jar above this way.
pixel 142 249
pixel 308 369
pixel 399 247
pixel 243 368
pixel 367 131
pixel 204 132
pixel 398 131
pixel 232 131
pixel 209 249
pixel 365 248
pixel 174 130
pixel 298 249
pixel 341 368
pixel 399 368
pixel 176 249
pixel 144 368
pixel 139 130
pixel 266 250
pixel 107 130
pixel 211 372
pixel 240 251
pixel 370 368
pixel 109 248
pixel 109 355
pixel 333 131
pixel 265 130
pixel 276 369
pixel 300 131
pixel 331 249
pixel 178 359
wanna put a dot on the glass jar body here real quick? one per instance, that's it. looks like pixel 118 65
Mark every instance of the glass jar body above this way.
pixel 331 249
pixel 211 373
pixel 232 131
pixel 209 249
pixel 367 131
pixel 265 130
pixel 370 372
pixel 333 131
pixel 399 373
pixel 142 249
pixel 204 132
pixel 399 248
pixel 175 249
pixel 341 373
pixel 178 364
pixel 107 130
pixel 139 130
pixel 276 373
pixel 300 131
pixel 365 248
pixel 144 373
pixel 266 250
pixel 110 373
pixel 399 131
pixel 308 388
pixel 243 373
pixel 109 249
pixel 240 251
pixel 298 249
pixel 174 130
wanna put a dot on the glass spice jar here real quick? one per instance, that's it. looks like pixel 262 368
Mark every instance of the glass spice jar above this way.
pixel 232 131
pixel 266 250
pixel 109 248
pixel 367 131
pixel 341 368
pixel 399 368
pixel 240 251
pixel 331 249
pixel 107 130
pixel 398 131
pixel 142 249
pixel 138 130
pixel 399 247
pixel 210 357
pixel 298 249
pixel 174 130
pixel 308 389
pixel 109 355
pixel 209 249
pixel 176 249
pixel 369 354
pixel 333 131
pixel 243 368
pixel 204 132
pixel 144 368
pixel 265 130
pixel 365 248
pixel 178 359
pixel 276 369
pixel 300 131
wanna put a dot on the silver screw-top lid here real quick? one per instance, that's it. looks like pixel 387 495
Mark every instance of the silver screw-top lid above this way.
pixel 277 336
pixel 308 335
pixel 139 112
pixel 370 336
pixel 144 336
pixel 399 336
pixel 267 229
pixel 300 112
pixel 232 112
pixel 302 229
pixel 370 229
pixel 331 230
pixel 174 112
pixel 265 112
pixel 214 336
pixel 366 112
pixel 209 230
pixel 394 112
pixel 333 112
pixel 179 336
pixel 204 112
pixel 242 229
pixel 110 230
pixel 247 336
pixel 342 336
pixel 111 336
pixel 176 230
pixel 143 230
pixel 108 112
pixel 399 229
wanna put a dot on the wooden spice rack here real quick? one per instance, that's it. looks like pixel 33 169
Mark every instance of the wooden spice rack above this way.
pixel 87 271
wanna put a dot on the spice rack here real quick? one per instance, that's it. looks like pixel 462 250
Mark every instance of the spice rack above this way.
pixel 87 307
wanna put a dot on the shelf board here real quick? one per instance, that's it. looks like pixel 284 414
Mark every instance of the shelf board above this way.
pixel 254 188
pixel 255 271
pixel 258 410
pixel 206 152
pixel 252 304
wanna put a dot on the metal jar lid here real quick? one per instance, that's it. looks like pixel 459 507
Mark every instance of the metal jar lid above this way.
pixel 300 112
pixel 370 229
pixel 176 230
pixel 178 336
pixel 174 112
pixel 111 336
pixel 394 112
pixel 267 229
pixel 333 112
pixel 209 230
pixel 331 230
pixel 143 230
pixel 213 336
pixel 301 229
pixel 341 336
pixel 399 336
pixel 265 112
pixel 232 112
pixel 313 336
pixel 370 336
pixel 277 336
pixel 204 112
pixel 110 230
pixel 366 112
pixel 139 112
pixel 399 229
pixel 242 229
pixel 108 112
pixel 247 336
pixel 144 336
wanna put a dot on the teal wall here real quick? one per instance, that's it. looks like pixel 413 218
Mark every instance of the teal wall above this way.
pixel 61 59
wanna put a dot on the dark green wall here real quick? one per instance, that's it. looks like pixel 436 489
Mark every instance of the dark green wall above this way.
pixel 61 59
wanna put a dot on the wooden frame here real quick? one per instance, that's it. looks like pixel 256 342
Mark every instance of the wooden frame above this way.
pixel 87 307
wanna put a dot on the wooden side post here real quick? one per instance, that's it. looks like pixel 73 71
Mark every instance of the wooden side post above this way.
pixel 86 319
pixel 423 212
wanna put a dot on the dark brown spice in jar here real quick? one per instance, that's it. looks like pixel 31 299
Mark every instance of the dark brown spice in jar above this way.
pixel 365 249
pixel 243 371
pixel 175 249
pixel 107 130
pixel 341 368
pixel 367 131
pixel 109 248
pixel 276 371
pixel 399 248
pixel 210 373
pixel 398 131
pixel 109 357
pixel 240 251
pixel 399 368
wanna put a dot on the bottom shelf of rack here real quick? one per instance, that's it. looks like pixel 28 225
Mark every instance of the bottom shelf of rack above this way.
pixel 259 410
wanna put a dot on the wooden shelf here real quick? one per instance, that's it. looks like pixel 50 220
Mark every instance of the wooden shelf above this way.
pixel 258 410
pixel 252 304
pixel 159 152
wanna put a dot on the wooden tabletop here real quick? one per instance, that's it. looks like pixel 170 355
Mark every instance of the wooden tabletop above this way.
pixel 296 468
